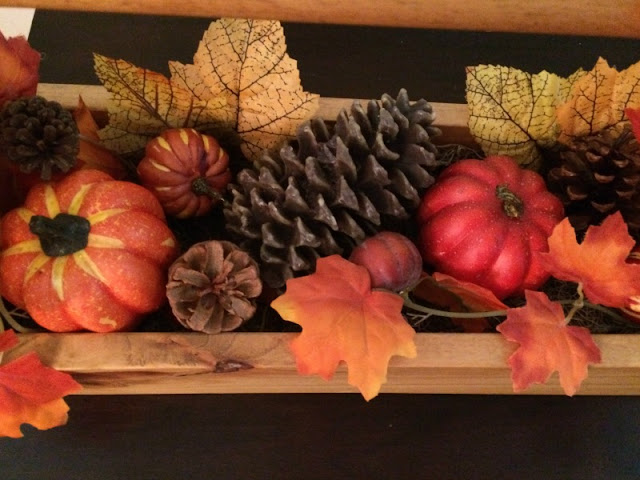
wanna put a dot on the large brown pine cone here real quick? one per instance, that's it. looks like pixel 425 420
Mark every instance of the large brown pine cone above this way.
pixel 333 186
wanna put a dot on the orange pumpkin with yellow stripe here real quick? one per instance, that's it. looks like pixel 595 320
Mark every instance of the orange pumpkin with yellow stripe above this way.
pixel 86 253
pixel 186 170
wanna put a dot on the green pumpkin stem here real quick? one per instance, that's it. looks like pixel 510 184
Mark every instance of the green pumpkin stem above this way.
pixel 511 203
pixel 62 235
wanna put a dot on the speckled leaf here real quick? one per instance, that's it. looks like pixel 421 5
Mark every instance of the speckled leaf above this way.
pixel 245 62
pixel 598 100
pixel 512 112
pixel 143 103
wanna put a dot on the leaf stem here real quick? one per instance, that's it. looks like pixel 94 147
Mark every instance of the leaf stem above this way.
pixel 578 303
pixel 445 313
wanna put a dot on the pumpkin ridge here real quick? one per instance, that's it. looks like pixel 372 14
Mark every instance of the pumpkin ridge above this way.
pixel 26 246
pixel 103 215
pixel 25 214
pixel 104 241
pixel 36 264
pixel 78 198
pixel 51 201
pixel 57 276
pixel 88 266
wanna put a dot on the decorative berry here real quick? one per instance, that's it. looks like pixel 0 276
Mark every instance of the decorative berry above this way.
pixel 393 261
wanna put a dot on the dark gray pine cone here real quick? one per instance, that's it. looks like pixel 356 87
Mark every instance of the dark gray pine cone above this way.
pixel 598 175
pixel 38 134
pixel 334 186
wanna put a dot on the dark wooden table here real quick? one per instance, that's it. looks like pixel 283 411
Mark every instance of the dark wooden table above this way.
pixel 330 436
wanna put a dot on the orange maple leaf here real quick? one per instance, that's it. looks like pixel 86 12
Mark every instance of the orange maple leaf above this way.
pixel 19 65
pixel 31 392
pixel 342 319
pixel 547 344
pixel 599 263
pixel 92 154
pixel 598 99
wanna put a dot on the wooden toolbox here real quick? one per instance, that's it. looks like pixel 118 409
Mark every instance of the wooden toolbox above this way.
pixel 144 363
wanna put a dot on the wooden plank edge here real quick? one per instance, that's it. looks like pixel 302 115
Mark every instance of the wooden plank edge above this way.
pixel 451 118
pixel 194 363
pixel 569 17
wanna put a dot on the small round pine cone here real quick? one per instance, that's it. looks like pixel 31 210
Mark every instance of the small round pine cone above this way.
pixel 598 175
pixel 39 135
pixel 212 287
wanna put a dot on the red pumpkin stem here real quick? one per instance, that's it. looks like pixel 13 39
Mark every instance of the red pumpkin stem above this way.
pixel 200 187
pixel 511 203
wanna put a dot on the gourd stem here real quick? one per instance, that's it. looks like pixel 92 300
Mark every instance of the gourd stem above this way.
pixel 199 186
pixel 511 203
pixel 62 235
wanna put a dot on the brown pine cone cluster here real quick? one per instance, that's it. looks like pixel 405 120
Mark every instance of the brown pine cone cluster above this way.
pixel 333 186
pixel 598 175
pixel 39 135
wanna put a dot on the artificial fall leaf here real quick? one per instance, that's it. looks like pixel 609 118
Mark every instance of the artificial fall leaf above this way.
pixel 246 63
pixel 31 392
pixel 19 65
pixel 598 99
pixel 599 264
pixel 342 319
pixel 92 153
pixel 144 103
pixel 512 112
pixel 634 117
pixel 547 344
pixel 449 293
pixel 242 85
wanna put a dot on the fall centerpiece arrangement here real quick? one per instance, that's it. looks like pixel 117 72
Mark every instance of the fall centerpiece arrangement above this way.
pixel 218 200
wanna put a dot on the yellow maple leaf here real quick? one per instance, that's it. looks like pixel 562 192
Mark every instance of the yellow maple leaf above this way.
pixel 143 103
pixel 598 100
pixel 246 63
pixel 512 112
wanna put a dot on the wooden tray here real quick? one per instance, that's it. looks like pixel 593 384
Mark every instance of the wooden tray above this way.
pixel 143 363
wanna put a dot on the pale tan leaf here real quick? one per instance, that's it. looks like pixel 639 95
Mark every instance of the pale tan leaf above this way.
pixel 245 62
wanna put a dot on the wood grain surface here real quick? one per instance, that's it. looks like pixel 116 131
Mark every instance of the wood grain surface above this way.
pixel 576 17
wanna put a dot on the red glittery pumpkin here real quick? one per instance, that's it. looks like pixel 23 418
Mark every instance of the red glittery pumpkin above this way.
pixel 483 222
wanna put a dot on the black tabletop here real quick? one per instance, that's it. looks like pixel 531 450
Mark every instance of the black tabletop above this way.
pixel 330 436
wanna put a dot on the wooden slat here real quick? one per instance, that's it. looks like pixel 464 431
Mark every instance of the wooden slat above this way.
pixel 576 17
pixel 164 363
pixel 450 117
